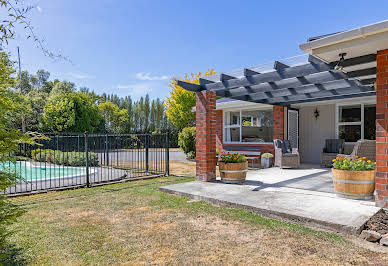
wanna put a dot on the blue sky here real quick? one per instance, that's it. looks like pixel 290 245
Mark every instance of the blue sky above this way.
pixel 134 47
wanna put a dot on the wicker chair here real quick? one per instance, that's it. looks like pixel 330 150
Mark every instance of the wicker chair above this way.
pixel 285 156
pixel 363 148
pixel 330 151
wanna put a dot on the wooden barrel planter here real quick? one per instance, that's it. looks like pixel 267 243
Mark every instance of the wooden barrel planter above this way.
pixel 233 173
pixel 354 184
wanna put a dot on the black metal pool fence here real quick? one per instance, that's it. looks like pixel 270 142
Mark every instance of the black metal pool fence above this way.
pixel 82 159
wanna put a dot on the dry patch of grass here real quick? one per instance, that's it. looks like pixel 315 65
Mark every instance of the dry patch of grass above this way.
pixel 134 224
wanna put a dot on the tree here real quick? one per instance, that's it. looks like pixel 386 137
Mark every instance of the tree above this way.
pixel 115 118
pixel 180 103
pixel 72 112
pixel 62 87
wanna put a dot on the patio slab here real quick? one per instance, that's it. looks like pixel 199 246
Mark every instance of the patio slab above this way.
pixel 303 196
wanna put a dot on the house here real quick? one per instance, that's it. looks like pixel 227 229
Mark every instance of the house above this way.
pixel 337 89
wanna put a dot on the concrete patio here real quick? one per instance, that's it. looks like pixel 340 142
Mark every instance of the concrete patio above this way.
pixel 305 196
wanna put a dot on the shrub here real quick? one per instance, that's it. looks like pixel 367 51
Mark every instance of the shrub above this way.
pixel 267 155
pixel 191 155
pixel 233 158
pixel 64 158
pixel 357 164
pixel 186 140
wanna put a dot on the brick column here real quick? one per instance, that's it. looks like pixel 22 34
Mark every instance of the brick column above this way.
pixel 206 136
pixel 219 130
pixel 278 122
pixel 382 129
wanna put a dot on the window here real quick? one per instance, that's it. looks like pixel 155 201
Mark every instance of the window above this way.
pixel 255 126
pixel 356 122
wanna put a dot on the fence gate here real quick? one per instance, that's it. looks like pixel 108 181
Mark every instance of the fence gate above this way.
pixel 74 160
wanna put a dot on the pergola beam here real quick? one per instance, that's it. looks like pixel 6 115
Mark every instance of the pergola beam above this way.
pixel 189 86
pixel 284 84
pixel 361 72
pixel 224 77
pixel 356 60
pixel 290 72
pixel 306 89
pixel 249 72
pixel 279 65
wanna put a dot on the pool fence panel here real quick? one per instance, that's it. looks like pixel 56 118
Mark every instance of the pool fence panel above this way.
pixel 86 159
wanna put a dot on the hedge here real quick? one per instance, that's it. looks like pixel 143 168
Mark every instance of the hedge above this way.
pixel 64 158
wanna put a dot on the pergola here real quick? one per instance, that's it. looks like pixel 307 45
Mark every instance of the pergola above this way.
pixel 286 84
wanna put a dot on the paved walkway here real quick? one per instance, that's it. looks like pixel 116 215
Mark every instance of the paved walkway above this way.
pixel 304 196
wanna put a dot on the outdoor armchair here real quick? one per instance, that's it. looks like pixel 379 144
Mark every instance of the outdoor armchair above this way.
pixel 285 156
pixel 332 148
pixel 363 148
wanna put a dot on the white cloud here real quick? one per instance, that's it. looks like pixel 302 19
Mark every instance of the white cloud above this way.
pixel 148 76
pixel 39 9
pixel 80 75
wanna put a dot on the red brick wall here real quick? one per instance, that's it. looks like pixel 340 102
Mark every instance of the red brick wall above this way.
pixel 382 129
pixel 219 130
pixel 278 122
pixel 205 136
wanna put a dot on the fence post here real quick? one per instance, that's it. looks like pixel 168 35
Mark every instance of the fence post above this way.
pixel 167 154
pixel 147 152
pixel 87 158
pixel 107 149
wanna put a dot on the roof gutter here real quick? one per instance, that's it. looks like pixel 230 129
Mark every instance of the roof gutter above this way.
pixel 359 33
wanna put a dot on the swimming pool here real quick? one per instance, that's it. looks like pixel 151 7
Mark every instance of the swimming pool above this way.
pixel 39 171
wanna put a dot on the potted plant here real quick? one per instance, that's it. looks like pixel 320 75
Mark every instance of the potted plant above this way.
pixel 233 167
pixel 354 178
pixel 266 160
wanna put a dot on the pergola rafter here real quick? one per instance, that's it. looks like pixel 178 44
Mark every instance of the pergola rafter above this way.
pixel 286 84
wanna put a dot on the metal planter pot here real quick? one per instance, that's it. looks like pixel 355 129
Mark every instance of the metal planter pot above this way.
pixel 266 162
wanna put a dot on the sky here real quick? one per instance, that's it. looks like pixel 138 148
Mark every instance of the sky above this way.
pixel 134 47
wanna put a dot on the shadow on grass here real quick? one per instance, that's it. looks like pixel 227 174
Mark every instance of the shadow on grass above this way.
pixel 12 255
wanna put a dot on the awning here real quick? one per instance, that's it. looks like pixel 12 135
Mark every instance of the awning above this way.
pixel 287 82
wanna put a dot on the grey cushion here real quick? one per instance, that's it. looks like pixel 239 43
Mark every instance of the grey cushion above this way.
pixel 286 148
pixel 333 145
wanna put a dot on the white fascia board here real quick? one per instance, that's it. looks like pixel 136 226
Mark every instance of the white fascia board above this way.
pixel 358 33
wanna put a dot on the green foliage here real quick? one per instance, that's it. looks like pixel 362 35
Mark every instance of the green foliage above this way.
pixel 180 103
pixel 9 140
pixel 64 158
pixel 186 140
pixel 233 158
pixel 267 155
pixel 72 112
pixel 357 164
pixel 115 117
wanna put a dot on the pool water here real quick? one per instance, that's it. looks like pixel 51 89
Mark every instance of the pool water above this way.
pixel 29 171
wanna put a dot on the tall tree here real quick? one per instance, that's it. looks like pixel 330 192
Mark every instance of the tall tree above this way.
pixel 115 118
pixel 180 103
pixel 72 112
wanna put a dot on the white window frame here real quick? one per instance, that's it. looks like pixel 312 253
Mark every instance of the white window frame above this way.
pixel 225 127
pixel 361 123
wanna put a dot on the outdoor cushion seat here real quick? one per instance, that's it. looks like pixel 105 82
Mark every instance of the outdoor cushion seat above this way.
pixel 363 148
pixel 330 151
pixel 289 154
pixel 285 156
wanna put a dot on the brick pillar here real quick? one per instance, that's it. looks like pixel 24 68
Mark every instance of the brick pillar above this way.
pixel 278 122
pixel 382 129
pixel 219 130
pixel 206 136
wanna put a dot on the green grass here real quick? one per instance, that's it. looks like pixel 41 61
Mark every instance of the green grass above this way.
pixel 135 223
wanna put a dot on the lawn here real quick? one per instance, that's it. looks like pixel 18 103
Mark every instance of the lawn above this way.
pixel 134 223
